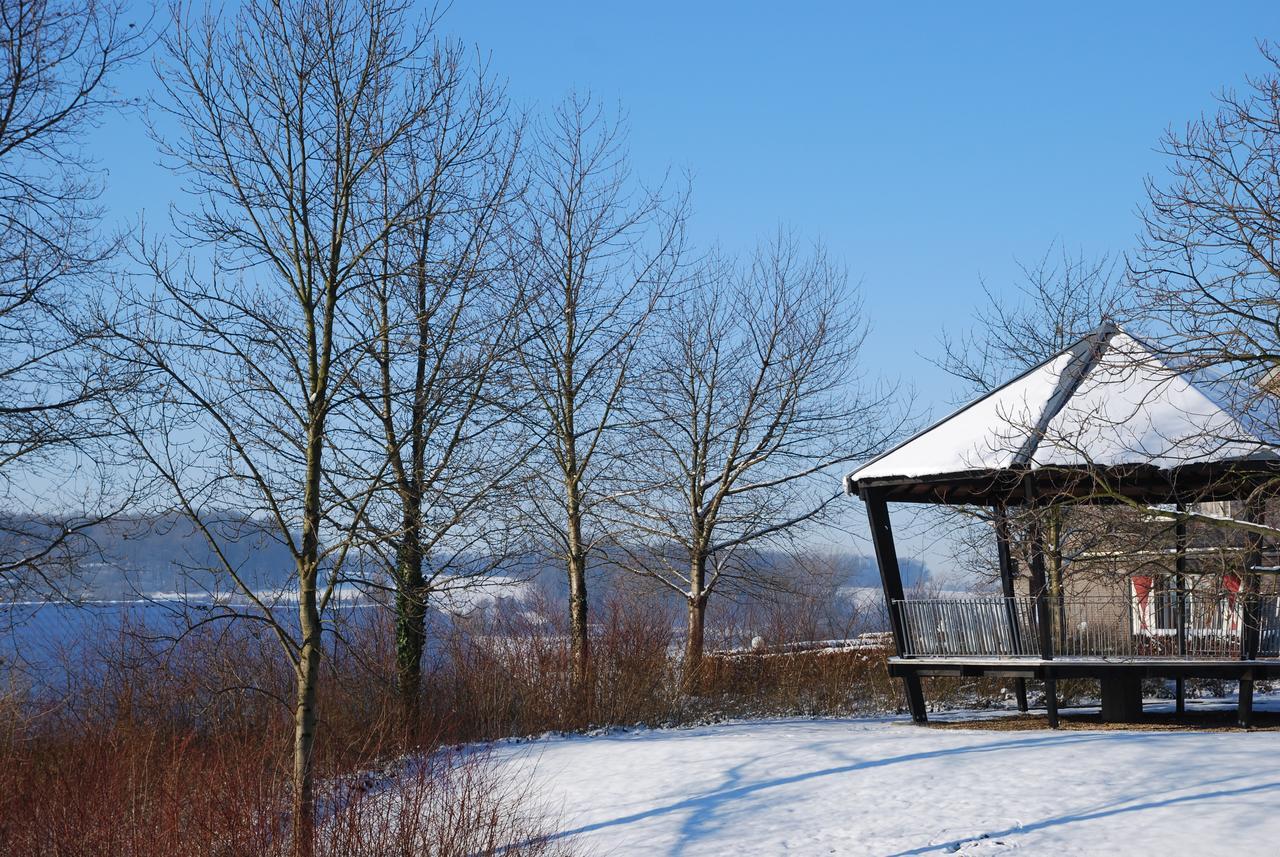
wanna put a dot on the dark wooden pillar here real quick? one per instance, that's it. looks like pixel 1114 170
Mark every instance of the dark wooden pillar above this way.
pixel 1040 589
pixel 1250 630
pixel 1040 586
pixel 1180 589
pixel 1007 573
pixel 891 583
pixel 1121 698
pixel 1250 625
pixel 1051 697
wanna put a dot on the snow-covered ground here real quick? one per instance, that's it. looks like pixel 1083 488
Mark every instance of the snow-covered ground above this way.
pixel 884 787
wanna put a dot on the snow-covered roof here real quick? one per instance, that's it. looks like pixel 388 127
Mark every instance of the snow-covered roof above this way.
pixel 1106 401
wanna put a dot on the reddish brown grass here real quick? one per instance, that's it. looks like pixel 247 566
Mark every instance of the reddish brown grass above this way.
pixel 163 747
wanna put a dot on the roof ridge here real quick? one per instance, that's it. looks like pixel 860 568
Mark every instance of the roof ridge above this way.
pixel 1073 375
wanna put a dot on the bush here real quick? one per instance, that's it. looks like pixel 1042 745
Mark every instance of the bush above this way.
pixel 154 747
pixel 158 748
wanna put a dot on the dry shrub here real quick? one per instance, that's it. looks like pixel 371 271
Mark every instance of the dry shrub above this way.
pixel 964 692
pixel 824 681
pixel 502 674
pixel 445 805
pixel 136 794
pixel 507 673
pixel 151 795
pixel 160 747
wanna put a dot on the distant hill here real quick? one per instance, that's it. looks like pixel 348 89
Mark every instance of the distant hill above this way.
pixel 135 555
pixel 132 555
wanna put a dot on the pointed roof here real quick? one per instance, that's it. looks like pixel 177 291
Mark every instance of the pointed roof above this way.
pixel 1106 402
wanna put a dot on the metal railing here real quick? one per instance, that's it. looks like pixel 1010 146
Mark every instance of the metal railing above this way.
pixel 1089 627
pixel 969 626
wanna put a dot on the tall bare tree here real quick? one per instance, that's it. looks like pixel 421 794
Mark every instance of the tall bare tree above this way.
pixel 752 393
pixel 1207 274
pixel 594 258
pixel 284 113
pixel 1209 268
pixel 437 384
pixel 57 60
pixel 1056 301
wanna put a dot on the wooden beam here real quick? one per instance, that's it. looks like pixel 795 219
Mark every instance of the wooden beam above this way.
pixel 1250 630
pixel 1180 588
pixel 891 584
pixel 1051 700
pixel 1007 573
pixel 1039 584
pixel 1244 705
pixel 1040 589
pixel 887 563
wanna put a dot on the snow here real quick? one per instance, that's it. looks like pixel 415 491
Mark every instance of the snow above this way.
pixel 1131 409
pixel 871 640
pixel 984 435
pixel 885 787
pixel 1122 407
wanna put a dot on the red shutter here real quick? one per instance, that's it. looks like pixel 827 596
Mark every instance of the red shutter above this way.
pixel 1142 584
pixel 1231 583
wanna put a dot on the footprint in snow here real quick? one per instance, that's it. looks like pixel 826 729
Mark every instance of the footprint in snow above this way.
pixel 983 844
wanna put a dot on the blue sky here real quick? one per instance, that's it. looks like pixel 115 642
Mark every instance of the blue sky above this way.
pixel 929 145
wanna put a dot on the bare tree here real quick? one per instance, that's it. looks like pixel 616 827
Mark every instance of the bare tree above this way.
pixel 1059 299
pixel 752 394
pixel 57 60
pixel 594 258
pixel 1209 268
pixel 285 112
pixel 437 384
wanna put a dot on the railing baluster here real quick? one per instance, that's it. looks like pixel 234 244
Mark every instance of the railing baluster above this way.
pixel 1087 627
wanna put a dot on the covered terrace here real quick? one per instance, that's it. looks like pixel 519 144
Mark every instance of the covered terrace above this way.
pixel 1105 421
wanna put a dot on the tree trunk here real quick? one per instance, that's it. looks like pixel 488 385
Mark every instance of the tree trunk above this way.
pixel 697 598
pixel 411 612
pixel 304 734
pixel 694 644
pixel 579 638
pixel 576 566
pixel 305 717
pixel 1056 588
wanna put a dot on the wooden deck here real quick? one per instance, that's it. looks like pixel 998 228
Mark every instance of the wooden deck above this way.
pixel 1086 667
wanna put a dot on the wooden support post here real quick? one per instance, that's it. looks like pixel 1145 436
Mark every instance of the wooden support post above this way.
pixel 1244 704
pixel 1121 699
pixel 891 583
pixel 1020 693
pixel 1250 626
pixel 1040 588
pixel 1039 584
pixel 1007 574
pixel 1180 589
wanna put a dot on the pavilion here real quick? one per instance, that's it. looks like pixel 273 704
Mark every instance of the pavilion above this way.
pixel 1106 420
